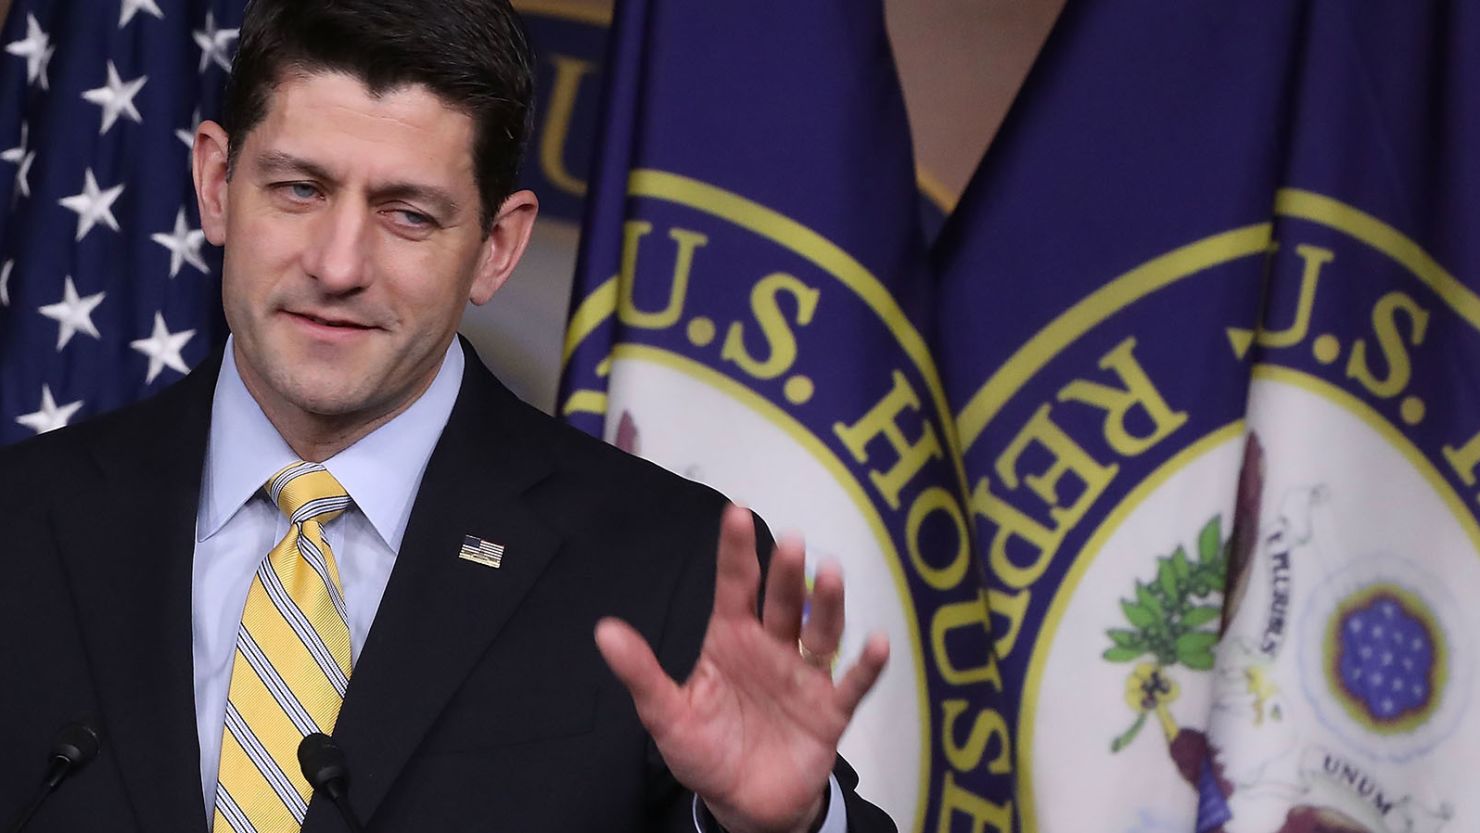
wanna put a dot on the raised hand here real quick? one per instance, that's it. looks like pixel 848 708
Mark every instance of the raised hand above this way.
pixel 754 730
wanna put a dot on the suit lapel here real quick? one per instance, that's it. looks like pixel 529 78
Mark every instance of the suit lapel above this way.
pixel 129 563
pixel 440 612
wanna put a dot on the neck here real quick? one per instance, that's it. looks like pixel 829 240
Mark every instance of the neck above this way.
pixel 316 438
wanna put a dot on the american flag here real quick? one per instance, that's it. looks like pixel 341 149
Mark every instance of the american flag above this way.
pixel 108 288
pixel 482 552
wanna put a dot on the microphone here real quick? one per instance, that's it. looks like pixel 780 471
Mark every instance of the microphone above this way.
pixel 75 745
pixel 322 762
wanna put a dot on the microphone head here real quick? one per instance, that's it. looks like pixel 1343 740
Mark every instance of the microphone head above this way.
pixel 322 762
pixel 76 743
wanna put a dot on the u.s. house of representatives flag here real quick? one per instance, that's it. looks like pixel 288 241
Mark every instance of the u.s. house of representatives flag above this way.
pixel 108 290
pixel 748 314
pixel 1210 329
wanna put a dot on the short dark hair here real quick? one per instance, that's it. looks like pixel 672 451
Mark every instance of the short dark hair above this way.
pixel 473 54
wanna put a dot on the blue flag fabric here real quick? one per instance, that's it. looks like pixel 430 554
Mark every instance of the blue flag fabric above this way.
pixel 570 41
pixel 108 290
pixel 1207 319
pixel 749 310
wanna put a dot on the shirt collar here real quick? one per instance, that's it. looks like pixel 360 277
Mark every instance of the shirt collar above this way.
pixel 382 471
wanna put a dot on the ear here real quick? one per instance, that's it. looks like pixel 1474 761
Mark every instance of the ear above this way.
pixel 208 164
pixel 507 239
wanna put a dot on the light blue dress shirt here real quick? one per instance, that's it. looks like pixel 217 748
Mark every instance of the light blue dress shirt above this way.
pixel 236 526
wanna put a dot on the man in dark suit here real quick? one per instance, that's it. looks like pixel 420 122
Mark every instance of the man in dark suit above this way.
pixel 430 594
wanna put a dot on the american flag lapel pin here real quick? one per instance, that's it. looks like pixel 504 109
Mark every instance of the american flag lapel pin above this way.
pixel 482 552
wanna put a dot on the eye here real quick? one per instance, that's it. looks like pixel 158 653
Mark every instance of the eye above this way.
pixel 297 192
pixel 415 219
pixel 410 222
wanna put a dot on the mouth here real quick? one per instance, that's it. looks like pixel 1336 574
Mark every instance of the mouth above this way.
pixel 327 323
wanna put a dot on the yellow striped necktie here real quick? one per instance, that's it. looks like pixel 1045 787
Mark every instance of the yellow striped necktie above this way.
pixel 292 662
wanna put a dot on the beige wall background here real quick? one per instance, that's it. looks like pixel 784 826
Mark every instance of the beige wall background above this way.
pixel 961 62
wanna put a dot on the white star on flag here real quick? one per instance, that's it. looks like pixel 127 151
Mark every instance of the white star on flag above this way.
pixel 23 174
pixel 188 136
pixel 93 205
pixel 184 245
pixel 22 157
pixel 73 313
pixel 5 283
pixel 163 349
pixel 116 97
pixel 50 417
pixel 36 48
pixel 213 44
pixel 133 7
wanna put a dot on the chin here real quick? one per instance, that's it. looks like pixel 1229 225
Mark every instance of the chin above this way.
pixel 327 396
pixel 333 404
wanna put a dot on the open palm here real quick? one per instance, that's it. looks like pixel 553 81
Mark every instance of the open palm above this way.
pixel 754 730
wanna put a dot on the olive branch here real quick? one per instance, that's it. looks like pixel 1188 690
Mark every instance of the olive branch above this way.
pixel 1168 614
pixel 1168 617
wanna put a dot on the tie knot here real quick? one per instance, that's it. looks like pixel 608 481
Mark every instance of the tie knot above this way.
pixel 307 492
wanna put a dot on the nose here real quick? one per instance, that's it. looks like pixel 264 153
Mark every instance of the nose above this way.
pixel 337 253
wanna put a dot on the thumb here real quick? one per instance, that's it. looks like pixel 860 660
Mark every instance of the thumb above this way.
pixel 659 702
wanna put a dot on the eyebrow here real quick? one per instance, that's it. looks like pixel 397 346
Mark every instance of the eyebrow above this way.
pixel 278 162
